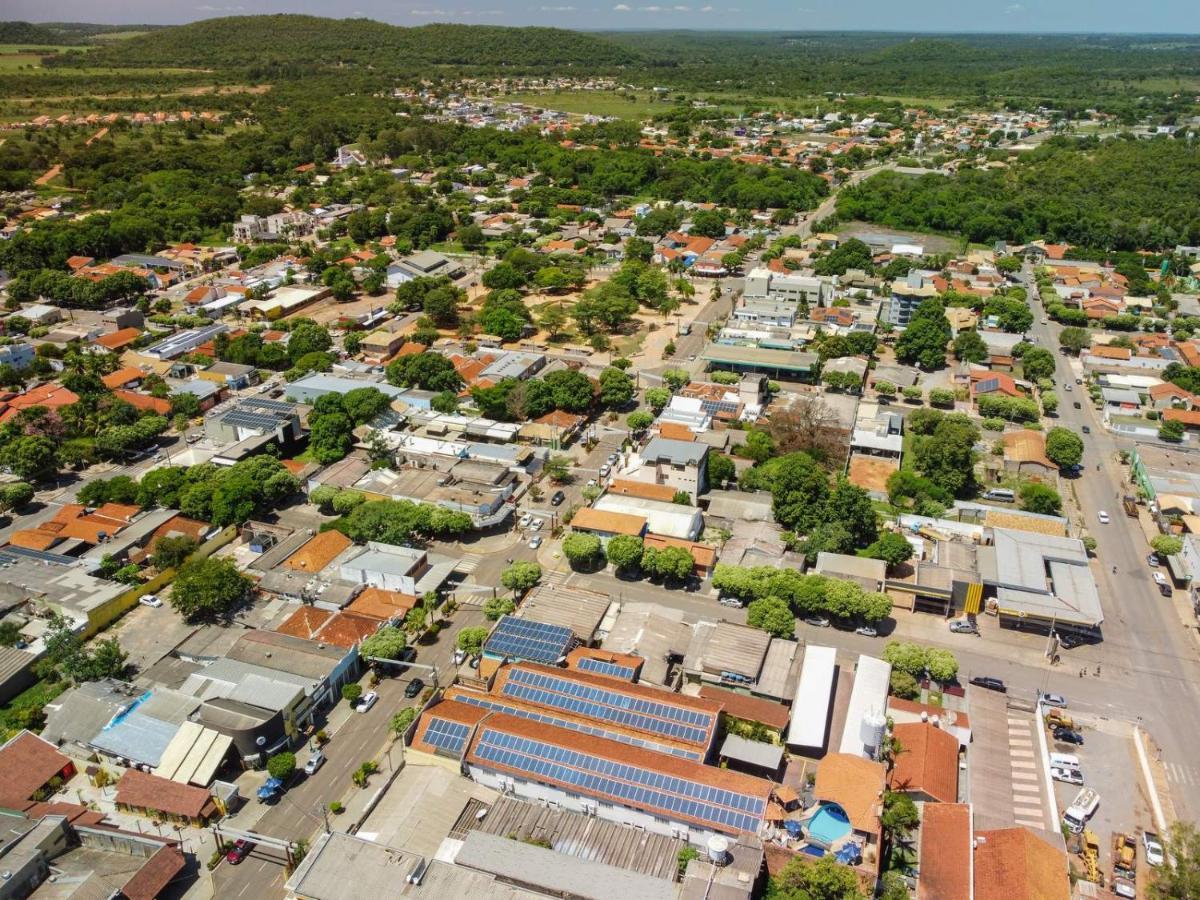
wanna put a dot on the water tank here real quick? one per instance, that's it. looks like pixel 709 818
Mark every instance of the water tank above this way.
pixel 872 729
pixel 924 715
pixel 718 850
pixel 936 722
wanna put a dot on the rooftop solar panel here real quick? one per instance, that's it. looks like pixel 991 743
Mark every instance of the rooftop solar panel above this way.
pixel 724 810
pixel 498 705
pixel 603 667
pixel 526 639
pixel 446 735
pixel 613 706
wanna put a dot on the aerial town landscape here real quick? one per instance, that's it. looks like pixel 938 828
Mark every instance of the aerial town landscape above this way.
pixel 478 461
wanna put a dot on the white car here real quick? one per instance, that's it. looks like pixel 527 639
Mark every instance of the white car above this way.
pixel 314 762
pixel 1066 775
pixel 1055 700
pixel 369 699
pixel 150 600
pixel 1103 517
pixel 1160 579
pixel 526 519
pixel 1154 848
pixel 537 524
pixel 605 469
pixel 535 542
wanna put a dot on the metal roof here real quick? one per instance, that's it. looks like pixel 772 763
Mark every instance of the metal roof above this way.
pixel 810 708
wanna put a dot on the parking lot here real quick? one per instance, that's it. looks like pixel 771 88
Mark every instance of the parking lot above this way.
pixel 148 634
pixel 1109 765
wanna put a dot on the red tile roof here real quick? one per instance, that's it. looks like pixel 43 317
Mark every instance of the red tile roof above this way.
pixel 750 709
pixel 318 552
pixel 855 784
pixel 156 405
pixel 155 874
pixel 115 340
pixel 927 762
pixel 945 852
pixel 140 790
pixel 52 395
pixel 381 604
pixel 1189 417
pixel 122 377
pixel 27 762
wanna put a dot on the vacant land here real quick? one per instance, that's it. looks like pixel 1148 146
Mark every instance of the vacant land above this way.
pixel 621 104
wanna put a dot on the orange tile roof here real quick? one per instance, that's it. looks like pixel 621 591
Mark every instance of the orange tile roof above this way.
pixel 702 554
pixel 347 630
pixel 855 784
pixel 1121 353
pixel 645 490
pixel 318 552
pixel 305 622
pixel 122 377
pixel 381 604
pixel 945 852
pixel 1017 864
pixel 927 762
pixel 560 418
pixel 52 395
pixel 747 708
pixel 612 522
pixel 676 431
pixel 115 340
pixel 1189 351
pixel 34 539
pixel 1186 416
pixel 143 791
pixel 156 405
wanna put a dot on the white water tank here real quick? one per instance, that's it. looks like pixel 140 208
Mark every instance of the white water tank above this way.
pixel 718 850
pixel 872 730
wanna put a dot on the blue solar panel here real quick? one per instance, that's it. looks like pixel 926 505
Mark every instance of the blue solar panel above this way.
pixel 612 706
pixel 723 809
pixel 595 731
pixel 602 667
pixel 446 735
pixel 526 639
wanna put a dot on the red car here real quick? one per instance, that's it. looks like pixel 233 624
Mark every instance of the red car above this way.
pixel 241 849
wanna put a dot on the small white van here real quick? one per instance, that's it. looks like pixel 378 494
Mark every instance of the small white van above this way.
pixel 1002 495
pixel 1064 760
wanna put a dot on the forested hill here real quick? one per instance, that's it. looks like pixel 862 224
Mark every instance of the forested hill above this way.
pixel 27 34
pixel 293 40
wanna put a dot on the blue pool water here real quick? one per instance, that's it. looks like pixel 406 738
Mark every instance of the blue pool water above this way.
pixel 829 824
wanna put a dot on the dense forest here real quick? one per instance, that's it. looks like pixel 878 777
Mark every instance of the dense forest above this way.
pixel 1120 194
pixel 60 33
pixel 263 42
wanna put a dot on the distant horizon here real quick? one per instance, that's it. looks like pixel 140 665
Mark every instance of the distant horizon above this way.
pixel 1155 18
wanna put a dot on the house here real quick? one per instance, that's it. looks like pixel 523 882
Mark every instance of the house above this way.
pixel 1019 864
pixel 164 800
pixel 984 382
pixel 946 852
pixel 51 395
pixel 680 465
pixel 31 769
pixel 424 264
pixel 704 556
pixel 854 787
pixel 926 768
pixel 1025 453
pixel 607 525
pixel 116 341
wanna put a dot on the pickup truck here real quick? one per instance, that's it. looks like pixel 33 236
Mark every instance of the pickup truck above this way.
pixel 1080 810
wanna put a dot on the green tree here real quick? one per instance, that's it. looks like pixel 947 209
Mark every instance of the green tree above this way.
pixel 15 495
pixel 772 615
pixel 170 552
pixel 721 470
pixel 386 643
pixel 673 563
pixel 903 685
pixel 640 420
pixel 496 607
pixel 925 338
pixel 402 720
pixel 891 547
pixel 1178 878
pixel 616 388
pixel 969 346
pixel 1037 363
pixel 825 879
pixel 658 398
pixel 946 456
pixel 941 664
pixel 30 457
pixel 1064 447
pixel 1040 498
pixel 624 551
pixel 206 590
pixel 282 766
pixel 470 640
pixel 558 469
pixel 582 550
pixel 351 693
pixel 521 576
pixel 1166 545
pixel 900 816
pixel 1074 339
pixel 905 656
pixel 1171 430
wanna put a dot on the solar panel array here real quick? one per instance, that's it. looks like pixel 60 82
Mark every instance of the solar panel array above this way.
pixel 603 667
pixel 594 730
pixel 612 706
pixel 718 407
pixel 724 810
pixel 447 735
pixel 529 640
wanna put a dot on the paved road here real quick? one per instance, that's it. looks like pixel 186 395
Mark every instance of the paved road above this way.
pixel 1148 658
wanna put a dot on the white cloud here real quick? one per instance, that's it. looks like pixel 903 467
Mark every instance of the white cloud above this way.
pixel 706 9
pixel 651 9
pixel 682 8
pixel 1014 8
pixel 557 9
pixel 621 7
pixel 428 12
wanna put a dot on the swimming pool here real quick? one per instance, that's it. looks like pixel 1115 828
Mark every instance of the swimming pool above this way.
pixel 829 824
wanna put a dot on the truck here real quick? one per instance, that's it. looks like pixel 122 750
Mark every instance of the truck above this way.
pixel 1129 504
pixel 1081 809
pixel 1124 856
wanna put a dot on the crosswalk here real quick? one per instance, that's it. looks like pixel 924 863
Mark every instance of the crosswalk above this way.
pixel 1180 773
pixel 467 563
pixel 1026 785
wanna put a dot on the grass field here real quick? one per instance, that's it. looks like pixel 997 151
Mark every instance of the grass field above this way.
pixel 623 105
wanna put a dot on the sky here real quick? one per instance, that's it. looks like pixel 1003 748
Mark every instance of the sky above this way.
pixel 1157 16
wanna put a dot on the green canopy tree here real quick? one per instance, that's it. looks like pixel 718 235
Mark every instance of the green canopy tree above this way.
pixel 521 576
pixel 772 615
pixel 582 550
pixel 624 551
pixel 470 640
pixel 1064 447
pixel 207 589
pixel 386 643
pixel 825 879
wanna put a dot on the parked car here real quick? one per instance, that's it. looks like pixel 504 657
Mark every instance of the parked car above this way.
pixel 1068 640
pixel 150 600
pixel 816 621
pixel 1153 561
pixel 537 524
pixel 240 850
pixel 591 482
pixel 1086 430
pixel 414 687
pixel 605 469
pixel 535 542
pixel 1067 735
pixel 1103 517
pixel 526 519
pixel 272 789
pixel 314 762
pixel 558 498
pixel 866 631
pixel 726 600
pixel 1055 700
pixel 1123 887
pixel 1154 848
pixel 612 458
pixel 1066 775
pixel 1068 386
pixel 369 699
pixel 991 684
pixel 1077 405
pixel 962 626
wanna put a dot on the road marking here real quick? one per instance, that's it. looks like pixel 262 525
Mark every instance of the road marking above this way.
pixel 1020 742
pixel 1024 723
pixel 1039 824
pixel 1028 754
